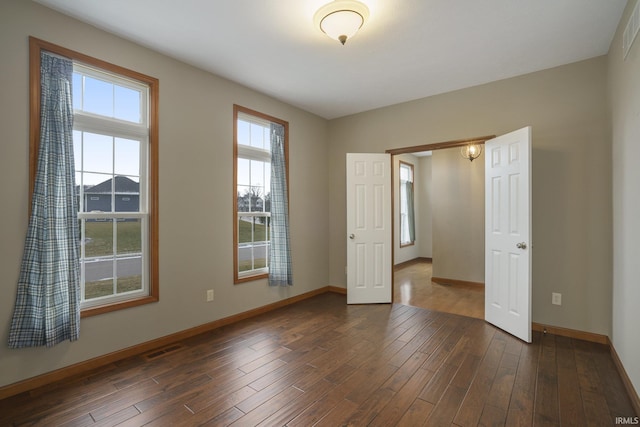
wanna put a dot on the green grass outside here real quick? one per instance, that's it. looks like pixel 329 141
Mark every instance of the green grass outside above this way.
pixel 261 232
pixel 246 265
pixel 103 288
pixel 99 238
pixel 99 242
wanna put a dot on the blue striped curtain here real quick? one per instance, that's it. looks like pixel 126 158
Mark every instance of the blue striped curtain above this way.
pixel 47 309
pixel 280 249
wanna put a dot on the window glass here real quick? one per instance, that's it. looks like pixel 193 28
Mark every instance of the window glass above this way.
pixel 97 97
pixel 106 98
pixel 108 178
pixel 244 172
pixel 127 157
pixel 253 187
pixel 243 132
pixel 126 104
pixel 97 152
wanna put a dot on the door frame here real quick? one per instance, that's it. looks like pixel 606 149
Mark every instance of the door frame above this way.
pixel 416 149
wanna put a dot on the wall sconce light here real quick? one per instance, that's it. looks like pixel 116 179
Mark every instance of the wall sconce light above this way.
pixel 471 151
pixel 341 19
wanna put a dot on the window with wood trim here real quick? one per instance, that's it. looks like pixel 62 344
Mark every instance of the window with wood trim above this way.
pixel 115 137
pixel 252 192
pixel 407 220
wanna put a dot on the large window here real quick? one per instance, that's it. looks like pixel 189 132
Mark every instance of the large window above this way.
pixel 407 222
pixel 252 188
pixel 115 153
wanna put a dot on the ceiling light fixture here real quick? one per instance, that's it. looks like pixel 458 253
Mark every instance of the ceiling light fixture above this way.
pixel 471 151
pixel 341 19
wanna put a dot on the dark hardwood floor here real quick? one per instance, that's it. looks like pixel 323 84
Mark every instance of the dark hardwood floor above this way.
pixel 321 362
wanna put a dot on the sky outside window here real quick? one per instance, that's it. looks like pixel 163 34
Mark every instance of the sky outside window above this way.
pixel 96 96
pixel 100 157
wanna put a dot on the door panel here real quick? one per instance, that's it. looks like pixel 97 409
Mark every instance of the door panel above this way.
pixel 368 228
pixel 508 232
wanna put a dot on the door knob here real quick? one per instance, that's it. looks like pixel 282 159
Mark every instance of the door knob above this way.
pixel 521 245
pixel 352 236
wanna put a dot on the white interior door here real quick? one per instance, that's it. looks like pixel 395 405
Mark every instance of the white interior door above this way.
pixel 508 233
pixel 368 228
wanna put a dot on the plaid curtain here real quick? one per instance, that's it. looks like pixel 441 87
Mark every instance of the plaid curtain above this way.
pixel 280 249
pixel 47 309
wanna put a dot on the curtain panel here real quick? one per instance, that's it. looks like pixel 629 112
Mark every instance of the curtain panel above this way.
pixel 280 249
pixel 47 309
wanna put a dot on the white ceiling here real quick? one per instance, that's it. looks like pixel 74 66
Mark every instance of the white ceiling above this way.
pixel 408 49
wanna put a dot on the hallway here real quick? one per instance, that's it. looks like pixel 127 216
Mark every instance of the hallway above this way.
pixel 413 286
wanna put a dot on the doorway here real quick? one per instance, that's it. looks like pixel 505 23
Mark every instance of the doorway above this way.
pixel 413 286
pixel 458 287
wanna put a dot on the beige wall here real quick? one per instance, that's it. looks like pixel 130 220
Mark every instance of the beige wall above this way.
pixel 425 191
pixel 566 106
pixel 624 93
pixel 458 216
pixel 195 193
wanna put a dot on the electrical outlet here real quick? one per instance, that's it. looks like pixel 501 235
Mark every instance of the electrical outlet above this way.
pixel 556 298
pixel 210 295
